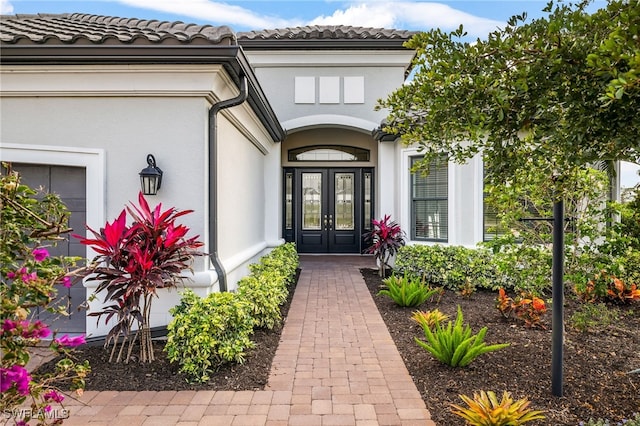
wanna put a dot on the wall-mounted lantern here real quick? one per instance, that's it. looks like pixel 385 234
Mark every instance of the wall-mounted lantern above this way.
pixel 150 177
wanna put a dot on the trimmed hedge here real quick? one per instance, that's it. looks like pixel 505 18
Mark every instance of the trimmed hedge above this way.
pixel 207 332
pixel 450 266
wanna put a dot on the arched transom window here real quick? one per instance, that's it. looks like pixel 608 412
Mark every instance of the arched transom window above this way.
pixel 329 153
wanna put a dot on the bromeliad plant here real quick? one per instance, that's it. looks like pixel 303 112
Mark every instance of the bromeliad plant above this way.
pixel 386 238
pixel 429 318
pixel 454 344
pixel 485 410
pixel 133 262
pixel 407 291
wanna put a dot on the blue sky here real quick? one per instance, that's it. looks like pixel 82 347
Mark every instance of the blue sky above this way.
pixel 479 17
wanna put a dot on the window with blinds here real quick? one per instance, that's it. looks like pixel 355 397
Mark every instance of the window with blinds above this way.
pixel 430 203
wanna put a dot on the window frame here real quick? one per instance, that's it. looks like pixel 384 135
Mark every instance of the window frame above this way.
pixel 413 199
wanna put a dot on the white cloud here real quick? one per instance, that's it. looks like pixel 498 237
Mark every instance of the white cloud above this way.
pixel 408 14
pixel 214 12
pixel 364 13
pixel 6 8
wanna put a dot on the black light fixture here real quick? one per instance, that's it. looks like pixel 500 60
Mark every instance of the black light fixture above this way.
pixel 150 177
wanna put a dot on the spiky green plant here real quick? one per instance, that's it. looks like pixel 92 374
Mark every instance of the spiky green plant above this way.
pixel 454 344
pixel 407 292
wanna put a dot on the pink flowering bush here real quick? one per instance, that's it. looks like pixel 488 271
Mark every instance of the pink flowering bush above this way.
pixel 29 276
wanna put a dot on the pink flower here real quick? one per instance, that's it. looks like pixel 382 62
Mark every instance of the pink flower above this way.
pixel 38 330
pixel 8 325
pixel 53 396
pixel 66 281
pixel 71 342
pixel 16 374
pixel 40 254
pixel 26 276
pixel 11 275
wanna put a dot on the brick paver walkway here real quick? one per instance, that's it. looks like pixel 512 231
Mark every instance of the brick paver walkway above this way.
pixel 336 364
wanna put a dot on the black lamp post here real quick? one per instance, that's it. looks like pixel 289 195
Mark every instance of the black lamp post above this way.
pixel 150 177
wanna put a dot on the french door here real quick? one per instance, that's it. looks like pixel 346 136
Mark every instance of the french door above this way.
pixel 331 207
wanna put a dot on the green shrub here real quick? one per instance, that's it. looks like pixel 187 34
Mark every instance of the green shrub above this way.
pixel 267 287
pixel 207 332
pixel 407 292
pixel 454 344
pixel 265 294
pixel 450 266
pixel 282 260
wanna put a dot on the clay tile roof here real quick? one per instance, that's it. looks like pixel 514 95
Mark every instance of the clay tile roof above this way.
pixel 335 32
pixel 320 34
pixel 94 29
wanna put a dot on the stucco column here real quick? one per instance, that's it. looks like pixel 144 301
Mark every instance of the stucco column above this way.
pixel 386 178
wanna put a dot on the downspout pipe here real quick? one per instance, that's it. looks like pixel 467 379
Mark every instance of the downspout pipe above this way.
pixel 213 178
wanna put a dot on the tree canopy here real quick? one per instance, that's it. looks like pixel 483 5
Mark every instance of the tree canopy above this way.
pixel 556 93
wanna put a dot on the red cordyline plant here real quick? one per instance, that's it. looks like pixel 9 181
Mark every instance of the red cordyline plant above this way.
pixel 386 238
pixel 133 262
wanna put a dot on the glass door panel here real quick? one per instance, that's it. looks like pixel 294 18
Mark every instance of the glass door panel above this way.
pixel 344 190
pixel 311 201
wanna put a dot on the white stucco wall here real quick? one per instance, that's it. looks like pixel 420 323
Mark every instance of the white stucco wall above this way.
pixel 381 72
pixel 109 118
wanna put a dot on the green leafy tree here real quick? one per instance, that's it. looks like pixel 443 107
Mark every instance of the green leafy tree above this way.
pixel 533 95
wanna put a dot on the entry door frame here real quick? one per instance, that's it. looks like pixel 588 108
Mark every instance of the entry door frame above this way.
pixel 327 239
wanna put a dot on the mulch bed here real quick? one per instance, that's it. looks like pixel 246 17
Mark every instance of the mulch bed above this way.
pixel 161 375
pixel 596 364
pixel 596 383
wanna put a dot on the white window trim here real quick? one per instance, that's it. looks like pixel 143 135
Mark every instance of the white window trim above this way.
pixel 93 160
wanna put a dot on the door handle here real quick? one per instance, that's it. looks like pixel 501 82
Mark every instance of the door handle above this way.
pixel 330 222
